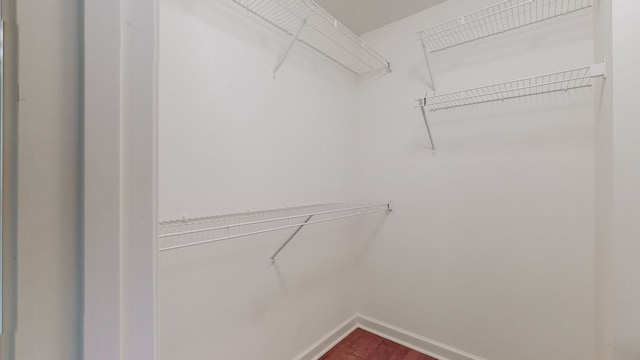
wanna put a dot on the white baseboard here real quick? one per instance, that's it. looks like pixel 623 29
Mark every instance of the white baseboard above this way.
pixel 330 340
pixel 414 341
pixel 411 340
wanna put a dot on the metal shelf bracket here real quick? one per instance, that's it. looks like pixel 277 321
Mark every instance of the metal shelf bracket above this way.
pixel 426 122
pixel 431 83
pixel 294 39
pixel 275 254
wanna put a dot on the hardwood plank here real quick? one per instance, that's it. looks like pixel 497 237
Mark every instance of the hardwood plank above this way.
pixel 363 345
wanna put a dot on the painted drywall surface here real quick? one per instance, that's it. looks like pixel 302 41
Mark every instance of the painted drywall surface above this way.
pixel 626 177
pixel 49 177
pixel 617 176
pixel 138 140
pixel 232 138
pixel 603 133
pixel 490 247
pixel 103 318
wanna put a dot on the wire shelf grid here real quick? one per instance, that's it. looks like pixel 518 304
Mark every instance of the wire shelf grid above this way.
pixel 497 19
pixel 319 30
pixel 177 234
pixel 559 81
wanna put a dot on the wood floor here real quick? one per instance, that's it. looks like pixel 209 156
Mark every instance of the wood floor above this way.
pixel 363 345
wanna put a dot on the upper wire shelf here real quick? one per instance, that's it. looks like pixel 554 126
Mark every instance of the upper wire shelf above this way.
pixel 559 81
pixel 309 23
pixel 178 234
pixel 505 16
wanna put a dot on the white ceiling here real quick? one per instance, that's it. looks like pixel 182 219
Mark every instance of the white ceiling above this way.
pixel 362 16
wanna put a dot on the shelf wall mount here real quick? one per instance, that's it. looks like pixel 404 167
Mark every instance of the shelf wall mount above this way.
pixel 308 23
pixel 184 233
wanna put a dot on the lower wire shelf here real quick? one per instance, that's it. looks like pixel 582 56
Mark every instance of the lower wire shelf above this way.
pixel 541 84
pixel 179 234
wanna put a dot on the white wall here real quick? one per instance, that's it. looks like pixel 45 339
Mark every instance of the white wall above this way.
pixel 626 178
pixel 232 139
pixel 490 247
pixel 603 133
pixel 49 177
pixel 617 177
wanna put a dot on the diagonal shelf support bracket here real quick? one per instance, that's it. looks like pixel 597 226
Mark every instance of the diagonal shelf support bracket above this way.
pixel 288 50
pixel 430 82
pixel 426 123
pixel 275 254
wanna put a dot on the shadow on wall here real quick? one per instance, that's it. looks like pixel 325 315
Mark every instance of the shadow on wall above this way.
pixel 372 77
pixel 365 236
pixel 517 123
pixel 238 23
pixel 553 33
pixel 315 256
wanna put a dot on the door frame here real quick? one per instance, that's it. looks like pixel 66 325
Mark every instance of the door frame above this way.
pixel 9 177
pixel 120 179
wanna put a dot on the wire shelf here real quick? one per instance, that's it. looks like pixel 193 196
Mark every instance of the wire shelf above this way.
pixel 560 81
pixel 505 16
pixel 178 234
pixel 316 28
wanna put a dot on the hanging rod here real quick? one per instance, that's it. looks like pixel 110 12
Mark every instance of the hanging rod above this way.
pixel 542 84
pixel 497 19
pixel 307 22
pixel 168 230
